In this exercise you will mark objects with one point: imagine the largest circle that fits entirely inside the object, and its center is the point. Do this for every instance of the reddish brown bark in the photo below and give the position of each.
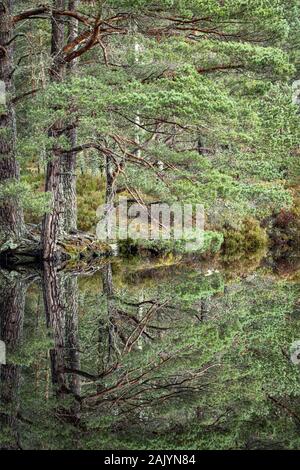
(52, 223)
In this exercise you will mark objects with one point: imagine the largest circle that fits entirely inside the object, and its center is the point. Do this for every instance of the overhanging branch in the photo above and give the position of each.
(46, 10)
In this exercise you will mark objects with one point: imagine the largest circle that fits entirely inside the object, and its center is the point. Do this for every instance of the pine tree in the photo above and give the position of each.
(11, 215)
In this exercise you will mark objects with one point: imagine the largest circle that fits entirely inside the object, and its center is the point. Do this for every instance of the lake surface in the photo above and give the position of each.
(140, 356)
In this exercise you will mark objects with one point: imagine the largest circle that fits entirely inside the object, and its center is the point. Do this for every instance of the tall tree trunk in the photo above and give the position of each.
(11, 214)
(12, 304)
(109, 198)
(52, 227)
(69, 161)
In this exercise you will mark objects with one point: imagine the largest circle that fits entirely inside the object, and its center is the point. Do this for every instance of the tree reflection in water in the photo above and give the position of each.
(13, 288)
(115, 358)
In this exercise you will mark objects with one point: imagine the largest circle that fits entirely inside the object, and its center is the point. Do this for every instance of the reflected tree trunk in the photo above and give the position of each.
(72, 338)
(200, 145)
(106, 324)
(13, 288)
(55, 318)
(204, 308)
(60, 292)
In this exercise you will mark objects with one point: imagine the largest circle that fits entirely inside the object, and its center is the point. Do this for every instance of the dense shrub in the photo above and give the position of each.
(250, 237)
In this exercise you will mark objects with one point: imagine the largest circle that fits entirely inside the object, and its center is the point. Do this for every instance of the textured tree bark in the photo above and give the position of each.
(69, 161)
(106, 325)
(52, 226)
(11, 214)
(61, 307)
(109, 197)
(68, 181)
(72, 341)
(55, 318)
(12, 304)
(72, 333)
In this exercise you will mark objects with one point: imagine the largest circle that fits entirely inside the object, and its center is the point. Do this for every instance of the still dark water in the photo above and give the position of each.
(136, 356)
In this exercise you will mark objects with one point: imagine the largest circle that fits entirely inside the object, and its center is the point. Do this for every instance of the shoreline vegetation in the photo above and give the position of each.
(168, 102)
(276, 233)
